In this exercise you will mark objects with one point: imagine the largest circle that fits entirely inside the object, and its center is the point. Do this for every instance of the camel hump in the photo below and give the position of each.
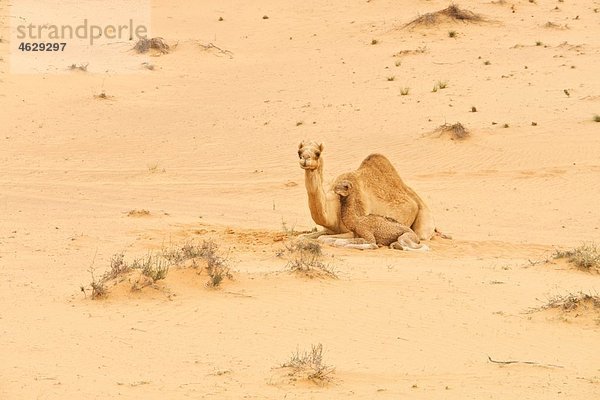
(378, 164)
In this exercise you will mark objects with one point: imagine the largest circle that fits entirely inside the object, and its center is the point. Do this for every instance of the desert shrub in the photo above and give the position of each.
(309, 365)
(571, 302)
(305, 258)
(586, 256)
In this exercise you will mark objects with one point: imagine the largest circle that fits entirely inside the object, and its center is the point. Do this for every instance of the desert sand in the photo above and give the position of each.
(206, 143)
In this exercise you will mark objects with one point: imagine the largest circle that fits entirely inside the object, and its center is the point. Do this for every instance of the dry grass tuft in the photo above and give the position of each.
(138, 213)
(157, 43)
(80, 67)
(451, 13)
(217, 266)
(309, 366)
(572, 302)
(456, 131)
(305, 258)
(586, 256)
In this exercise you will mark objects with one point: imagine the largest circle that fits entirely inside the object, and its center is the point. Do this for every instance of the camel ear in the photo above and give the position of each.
(300, 145)
(321, 147)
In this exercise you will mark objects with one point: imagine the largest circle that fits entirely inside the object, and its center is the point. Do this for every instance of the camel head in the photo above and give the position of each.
(344, 188)
(310, 154)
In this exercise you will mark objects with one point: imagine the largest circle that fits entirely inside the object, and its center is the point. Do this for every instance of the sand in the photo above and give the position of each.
(206, 143)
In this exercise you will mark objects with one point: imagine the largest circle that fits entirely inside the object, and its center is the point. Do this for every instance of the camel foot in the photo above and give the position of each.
(406, 247)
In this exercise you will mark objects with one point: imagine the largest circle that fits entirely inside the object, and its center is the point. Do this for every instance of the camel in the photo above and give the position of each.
(372, 230)
(382, 192)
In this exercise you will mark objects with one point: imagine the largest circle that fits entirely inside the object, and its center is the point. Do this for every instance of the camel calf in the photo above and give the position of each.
(373, 230)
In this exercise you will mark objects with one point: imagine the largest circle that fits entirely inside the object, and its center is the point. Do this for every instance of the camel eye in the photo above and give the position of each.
(299, 154)
(317, 154)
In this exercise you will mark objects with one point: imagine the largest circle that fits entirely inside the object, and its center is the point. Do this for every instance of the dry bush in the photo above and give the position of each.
(451, 13)
(572, 302)
(157, 43)
(586, 256)
(118, 267)
(309, 366)
(455, 131)
(98, 287)
(305, 258)
(216, 265)
(154, 267)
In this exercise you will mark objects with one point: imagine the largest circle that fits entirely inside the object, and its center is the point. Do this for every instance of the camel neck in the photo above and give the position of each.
(317, 198)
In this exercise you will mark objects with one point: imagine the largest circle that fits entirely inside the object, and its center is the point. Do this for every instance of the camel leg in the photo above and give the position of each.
(355, 243)
(364, 241)
(410, 242)
(424, 224)
(330, 239)
(313, 235)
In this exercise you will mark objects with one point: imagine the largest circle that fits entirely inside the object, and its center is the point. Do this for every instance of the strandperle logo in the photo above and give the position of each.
(50, 36)
(85, 30)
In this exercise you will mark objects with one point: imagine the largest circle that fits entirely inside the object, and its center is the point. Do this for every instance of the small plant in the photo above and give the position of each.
(473, 109)
(157, 43)
(289, 231)
(304, 258)
(452, 34)
(391, 78)
(217, 271)
(81, 67)
(586, 256)
(299, 123)
(439, 85)
(404, 91)
(153, 168)
(98, 287)
(309, 365)
(597, 118)
(538, 43)
(374, 41)
(398, 63)
(220, 19)
(487, 62)
(265, 17)
(102, 95)
(505, 126)
(118, 267)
